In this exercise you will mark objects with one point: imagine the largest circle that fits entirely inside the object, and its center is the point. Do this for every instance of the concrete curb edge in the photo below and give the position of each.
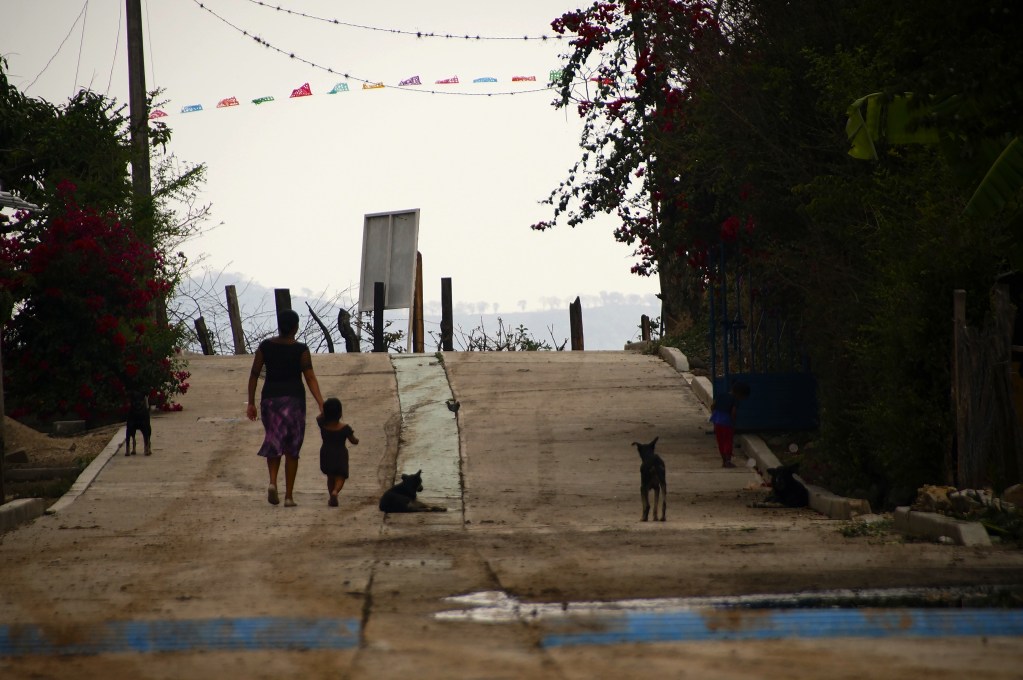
(88, 475)
(936, 526)
(19, 511)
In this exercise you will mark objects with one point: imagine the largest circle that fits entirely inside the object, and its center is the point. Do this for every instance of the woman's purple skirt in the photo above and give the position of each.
(284, 421)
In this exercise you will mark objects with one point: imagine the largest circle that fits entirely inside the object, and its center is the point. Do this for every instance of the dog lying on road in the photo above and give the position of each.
(652, 476)
(138, 421)
(402, 496)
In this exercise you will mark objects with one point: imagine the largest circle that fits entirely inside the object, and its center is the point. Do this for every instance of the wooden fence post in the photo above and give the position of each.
(575, 320)
(644, 325)
(378, 317)
(447, 323)
(955, 460)
(204, 336)
(344, 324)
(282, 301)
(234, 313)
(3, 415)
(417, 309)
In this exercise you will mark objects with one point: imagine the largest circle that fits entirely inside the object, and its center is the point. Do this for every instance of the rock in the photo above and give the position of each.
(1014, 495)
(66, 428)
(931, 498)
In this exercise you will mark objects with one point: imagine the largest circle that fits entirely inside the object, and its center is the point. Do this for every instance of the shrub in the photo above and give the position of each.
(83, 333)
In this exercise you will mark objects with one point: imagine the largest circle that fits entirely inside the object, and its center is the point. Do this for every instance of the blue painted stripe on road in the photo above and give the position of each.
(752, 624)
(235, 634)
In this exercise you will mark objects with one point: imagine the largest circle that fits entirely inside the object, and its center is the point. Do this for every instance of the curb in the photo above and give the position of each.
(675, 358)
(24, 510)
(19, 511)
(88, 475)
(936, 526)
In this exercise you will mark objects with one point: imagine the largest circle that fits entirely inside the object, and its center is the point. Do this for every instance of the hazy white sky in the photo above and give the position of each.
(291, 180)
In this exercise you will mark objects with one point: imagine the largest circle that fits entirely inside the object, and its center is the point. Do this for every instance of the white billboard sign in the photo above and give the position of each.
(390, 242)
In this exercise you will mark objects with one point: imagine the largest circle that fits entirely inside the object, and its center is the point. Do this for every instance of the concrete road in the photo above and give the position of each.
(175, 565)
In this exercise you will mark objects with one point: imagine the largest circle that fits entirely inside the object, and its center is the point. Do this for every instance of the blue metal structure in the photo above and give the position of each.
(753, 342)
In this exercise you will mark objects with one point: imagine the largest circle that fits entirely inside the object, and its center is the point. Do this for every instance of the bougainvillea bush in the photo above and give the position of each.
(83, 335)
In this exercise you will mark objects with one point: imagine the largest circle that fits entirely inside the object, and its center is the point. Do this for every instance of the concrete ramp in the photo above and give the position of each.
(429, 429)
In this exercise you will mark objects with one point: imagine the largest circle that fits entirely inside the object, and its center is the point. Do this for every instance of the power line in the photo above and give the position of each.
(59, 48)
(417, 34)
(149, 41)
(81, 44)
(117, 44)
(296, 57)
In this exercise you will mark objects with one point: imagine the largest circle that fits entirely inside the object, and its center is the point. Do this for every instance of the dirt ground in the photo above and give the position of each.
(44, 451)
(548, 514)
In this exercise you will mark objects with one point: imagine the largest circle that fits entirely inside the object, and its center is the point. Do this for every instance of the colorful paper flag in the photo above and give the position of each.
(373, 86)
(262, 100)
(340, 87)
(486, 79)
(555, 76)
(519, 79)
(230, 101)
(157, 113)
(414, 80)
(191, 108)
(304, 91)
(453, 80)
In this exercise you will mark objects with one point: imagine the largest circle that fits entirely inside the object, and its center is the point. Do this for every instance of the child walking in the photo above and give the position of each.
(333, 451)
(723, 413)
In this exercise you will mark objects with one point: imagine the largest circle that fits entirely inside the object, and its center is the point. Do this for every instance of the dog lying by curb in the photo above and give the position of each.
(402, 496)
(786, 490)
(652, 475)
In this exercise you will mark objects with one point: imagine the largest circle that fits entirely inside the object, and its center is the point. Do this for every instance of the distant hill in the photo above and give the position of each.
(609, 320)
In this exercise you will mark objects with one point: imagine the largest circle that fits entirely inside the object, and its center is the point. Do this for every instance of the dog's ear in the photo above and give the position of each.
(654, 441)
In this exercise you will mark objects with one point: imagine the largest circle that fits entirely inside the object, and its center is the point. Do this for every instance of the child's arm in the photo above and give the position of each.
(353, 439)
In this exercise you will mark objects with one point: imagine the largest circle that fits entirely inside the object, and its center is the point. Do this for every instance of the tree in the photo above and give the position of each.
(862, 258)
(71, 273)
(633, 102)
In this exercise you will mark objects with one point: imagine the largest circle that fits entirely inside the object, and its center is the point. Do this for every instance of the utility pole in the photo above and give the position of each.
(139, 121)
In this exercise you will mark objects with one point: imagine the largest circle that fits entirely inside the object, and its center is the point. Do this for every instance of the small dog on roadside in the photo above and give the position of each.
(138, 421)
(652, 475)
(786, 490)
(402, 496)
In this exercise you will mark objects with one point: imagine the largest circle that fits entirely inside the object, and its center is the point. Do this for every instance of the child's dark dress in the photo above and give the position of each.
(334, 451)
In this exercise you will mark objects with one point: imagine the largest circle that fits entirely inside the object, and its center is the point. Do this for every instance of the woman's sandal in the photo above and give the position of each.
(271, 495)
(289, 503)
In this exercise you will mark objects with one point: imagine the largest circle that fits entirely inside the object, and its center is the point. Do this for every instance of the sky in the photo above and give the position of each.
(291, 180)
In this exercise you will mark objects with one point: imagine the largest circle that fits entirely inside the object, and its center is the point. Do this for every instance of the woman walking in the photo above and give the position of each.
(282, 402)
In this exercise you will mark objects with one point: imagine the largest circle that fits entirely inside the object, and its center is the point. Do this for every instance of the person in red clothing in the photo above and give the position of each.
(723, 413)
(282, 402)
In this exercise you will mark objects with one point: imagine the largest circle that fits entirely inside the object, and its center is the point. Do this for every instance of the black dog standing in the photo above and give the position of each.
(652, 475)
(138, 421)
